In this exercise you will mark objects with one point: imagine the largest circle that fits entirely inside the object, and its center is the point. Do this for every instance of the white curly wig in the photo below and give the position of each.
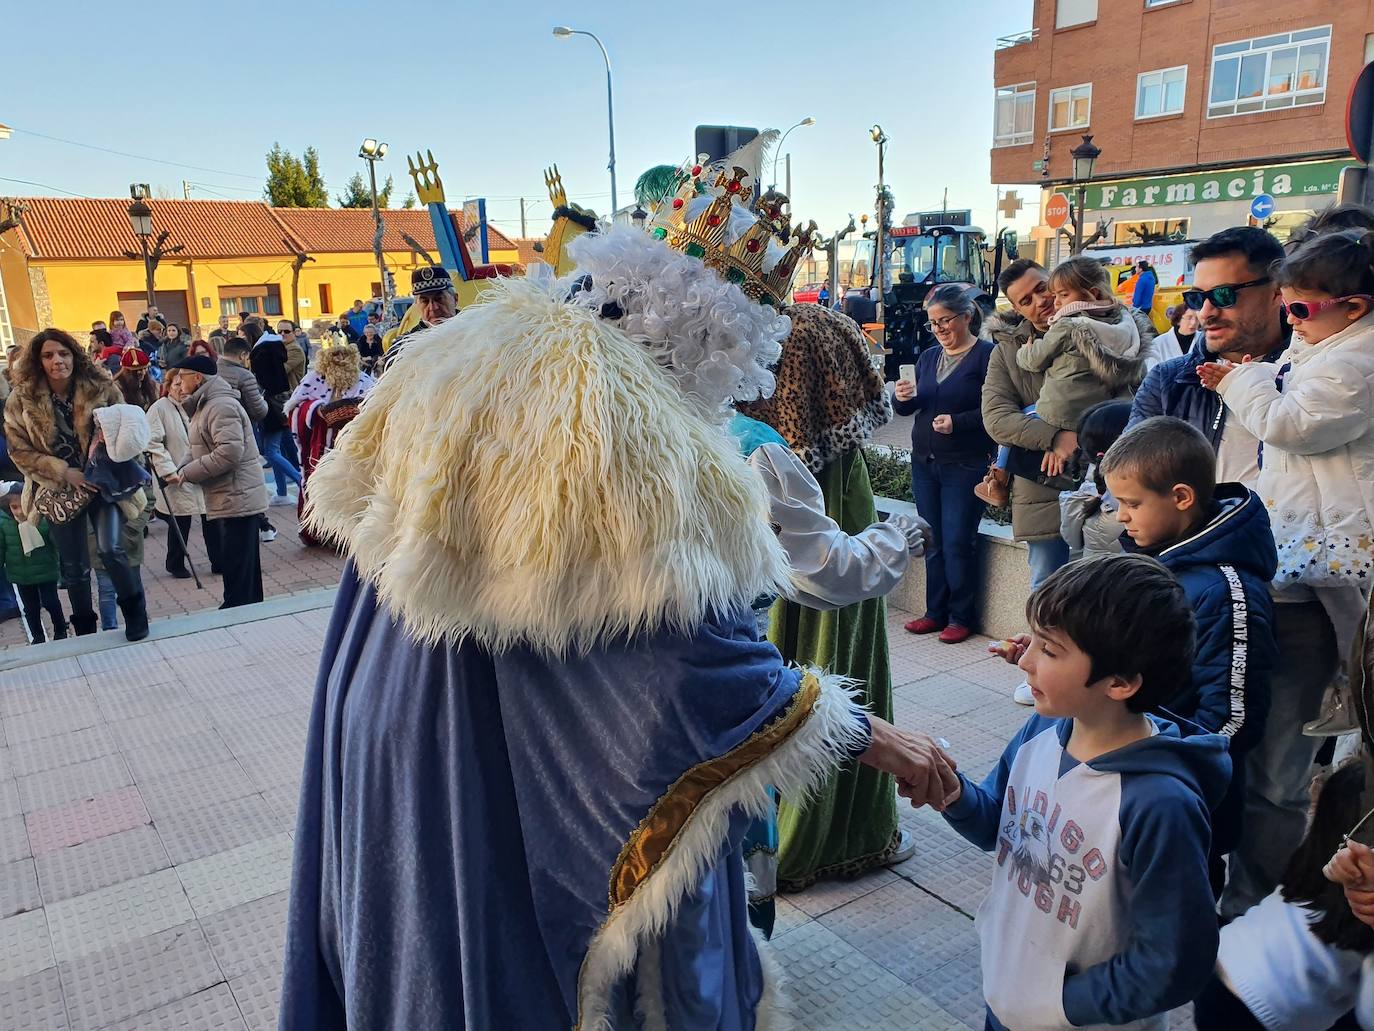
(715, 341)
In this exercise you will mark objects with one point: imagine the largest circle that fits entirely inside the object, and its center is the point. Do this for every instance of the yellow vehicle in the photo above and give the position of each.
(1124, 275)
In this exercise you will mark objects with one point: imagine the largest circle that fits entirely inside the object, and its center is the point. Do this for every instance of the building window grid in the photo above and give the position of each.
(1161, 92)
(1269, 73)
(1014, 115)
(1071, 107)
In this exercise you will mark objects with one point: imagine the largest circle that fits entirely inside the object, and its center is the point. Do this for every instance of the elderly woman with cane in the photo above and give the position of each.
(169, 449)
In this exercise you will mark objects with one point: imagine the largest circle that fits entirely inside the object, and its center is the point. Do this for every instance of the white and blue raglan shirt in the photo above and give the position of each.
(1100, 912)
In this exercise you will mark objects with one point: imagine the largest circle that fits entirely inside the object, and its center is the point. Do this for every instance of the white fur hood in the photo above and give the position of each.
(526, 473)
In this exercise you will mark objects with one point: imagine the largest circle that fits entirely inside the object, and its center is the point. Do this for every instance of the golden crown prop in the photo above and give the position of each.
(709, 216)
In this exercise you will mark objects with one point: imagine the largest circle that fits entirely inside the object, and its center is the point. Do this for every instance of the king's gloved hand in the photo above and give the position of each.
(915, 529)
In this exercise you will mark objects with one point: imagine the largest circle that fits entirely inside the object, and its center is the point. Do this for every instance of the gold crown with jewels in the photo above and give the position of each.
(716, 213)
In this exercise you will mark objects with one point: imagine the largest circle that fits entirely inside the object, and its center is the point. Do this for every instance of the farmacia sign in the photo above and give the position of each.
(1232, 184)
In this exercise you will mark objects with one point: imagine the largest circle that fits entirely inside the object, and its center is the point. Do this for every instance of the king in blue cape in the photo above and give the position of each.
(544, 717)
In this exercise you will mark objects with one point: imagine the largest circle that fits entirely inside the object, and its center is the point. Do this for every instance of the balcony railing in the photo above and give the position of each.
(1015, 40)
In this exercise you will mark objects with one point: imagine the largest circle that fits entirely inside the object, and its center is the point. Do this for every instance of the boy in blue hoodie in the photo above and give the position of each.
(1097, 813)
(1216, 539)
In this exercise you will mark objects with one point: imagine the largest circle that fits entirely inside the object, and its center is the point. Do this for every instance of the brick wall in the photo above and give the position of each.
(1127, 38)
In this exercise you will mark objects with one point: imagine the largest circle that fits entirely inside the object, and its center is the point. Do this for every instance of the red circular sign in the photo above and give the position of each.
(1056, 211)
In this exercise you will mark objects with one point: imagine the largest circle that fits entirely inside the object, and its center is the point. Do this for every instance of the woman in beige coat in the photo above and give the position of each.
(169, 447)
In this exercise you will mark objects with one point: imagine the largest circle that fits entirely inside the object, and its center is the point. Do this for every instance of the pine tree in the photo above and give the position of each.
(294, 182)
(357, 194)
(409, 202)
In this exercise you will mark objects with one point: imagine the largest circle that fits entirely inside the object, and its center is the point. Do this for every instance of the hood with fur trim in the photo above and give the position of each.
(1110, 342)
(126, 431)
(528, 473)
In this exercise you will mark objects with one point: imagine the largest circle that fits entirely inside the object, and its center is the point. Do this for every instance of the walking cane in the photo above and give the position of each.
(172, 522)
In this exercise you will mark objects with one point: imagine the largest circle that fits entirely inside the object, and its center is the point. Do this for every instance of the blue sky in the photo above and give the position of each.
(501, 98)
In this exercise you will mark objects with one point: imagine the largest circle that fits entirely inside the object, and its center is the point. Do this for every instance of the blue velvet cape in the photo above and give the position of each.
(462, 814)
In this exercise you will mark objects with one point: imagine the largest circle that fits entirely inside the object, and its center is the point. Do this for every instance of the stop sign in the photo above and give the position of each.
(1056, 211)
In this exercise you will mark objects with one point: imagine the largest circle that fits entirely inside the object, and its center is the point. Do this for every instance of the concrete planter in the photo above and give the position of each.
(1004, 577)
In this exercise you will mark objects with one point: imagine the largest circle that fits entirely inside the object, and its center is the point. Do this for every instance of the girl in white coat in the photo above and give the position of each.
(1313, 412)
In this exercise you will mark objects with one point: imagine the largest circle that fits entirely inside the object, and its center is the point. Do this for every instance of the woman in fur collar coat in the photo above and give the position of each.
(50, 426)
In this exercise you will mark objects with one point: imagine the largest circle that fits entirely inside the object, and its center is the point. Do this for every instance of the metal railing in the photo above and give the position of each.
(1016, 39)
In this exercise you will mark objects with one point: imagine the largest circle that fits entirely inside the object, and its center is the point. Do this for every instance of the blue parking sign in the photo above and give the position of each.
(1262, 206)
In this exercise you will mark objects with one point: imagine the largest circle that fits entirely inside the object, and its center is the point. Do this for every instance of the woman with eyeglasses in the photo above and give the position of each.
(950, 452)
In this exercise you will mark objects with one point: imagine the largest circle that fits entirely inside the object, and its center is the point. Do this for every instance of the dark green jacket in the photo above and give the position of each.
(26, 570)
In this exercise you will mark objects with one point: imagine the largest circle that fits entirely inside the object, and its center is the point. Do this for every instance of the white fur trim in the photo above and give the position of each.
(525, 473)
(796, 768)
(715, 342)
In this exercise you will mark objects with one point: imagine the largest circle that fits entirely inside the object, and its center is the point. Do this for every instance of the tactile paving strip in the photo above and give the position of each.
(34, 1003)
(905, 930)
(18, 889)
(176, 755)
(41, 723)
(14, 839)
(828, 895)
(119, 913)
(195, 789)
(68, 783)
(38, 697)
(259, 997)
(248, 937)
(141, 700)
(160, 726)
(211, 1010)
(49, 753)
(117, 983)
(100, 863)
(24, 945)
(197, 833)
(249, 872)
(85, 820)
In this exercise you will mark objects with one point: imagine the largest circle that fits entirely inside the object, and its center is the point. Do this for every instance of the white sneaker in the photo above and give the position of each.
(1022, 695)
(281, 500)
(267, 536)
(906, 848)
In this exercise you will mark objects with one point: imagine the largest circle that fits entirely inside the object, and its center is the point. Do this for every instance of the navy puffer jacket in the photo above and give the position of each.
(1172, 388)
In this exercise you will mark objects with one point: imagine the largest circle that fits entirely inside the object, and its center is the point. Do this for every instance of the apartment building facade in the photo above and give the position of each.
(1198, 106)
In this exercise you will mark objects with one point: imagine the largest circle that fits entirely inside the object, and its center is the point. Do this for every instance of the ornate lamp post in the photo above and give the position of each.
(1084, 156)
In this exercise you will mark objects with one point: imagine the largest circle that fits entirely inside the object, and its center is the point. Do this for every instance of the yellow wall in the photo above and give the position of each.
(80, 292)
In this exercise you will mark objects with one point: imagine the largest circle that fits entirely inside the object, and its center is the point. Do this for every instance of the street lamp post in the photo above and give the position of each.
(880, 244)
(563, 32)
(1084, 156)
(141, 220)
(371, 151)
(808, 120)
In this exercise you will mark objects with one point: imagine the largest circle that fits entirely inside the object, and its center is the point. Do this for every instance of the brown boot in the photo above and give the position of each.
(995, 489)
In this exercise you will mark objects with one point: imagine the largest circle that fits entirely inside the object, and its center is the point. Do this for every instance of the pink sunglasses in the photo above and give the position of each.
(1302, 310)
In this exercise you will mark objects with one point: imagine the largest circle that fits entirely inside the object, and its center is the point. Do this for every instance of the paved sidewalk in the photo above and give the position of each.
(147, 801)
(288, 567)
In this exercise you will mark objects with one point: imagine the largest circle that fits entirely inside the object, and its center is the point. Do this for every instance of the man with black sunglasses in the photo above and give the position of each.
(1240, 311)
(1240, 315)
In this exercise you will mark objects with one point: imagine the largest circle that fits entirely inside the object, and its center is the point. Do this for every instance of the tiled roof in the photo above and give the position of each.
(349, 230)
(75, 227)
(78, 227)
(528, 254)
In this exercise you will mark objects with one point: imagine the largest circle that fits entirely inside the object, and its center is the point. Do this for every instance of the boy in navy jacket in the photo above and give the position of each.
(1217, 541)
(1097, 813)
